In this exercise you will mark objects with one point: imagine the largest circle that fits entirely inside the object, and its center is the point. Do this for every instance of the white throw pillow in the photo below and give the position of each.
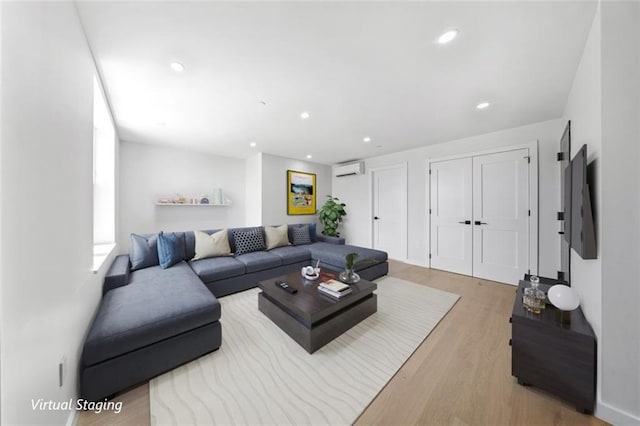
(277, 236)
(213, 245)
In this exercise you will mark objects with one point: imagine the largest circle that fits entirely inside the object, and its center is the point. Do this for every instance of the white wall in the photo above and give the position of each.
(49, 294)
(584, 109)
(356, 193)
(253, 193)
(274, 184)
(149, 172)
(604, 107)
(1, 198)
(620, 334)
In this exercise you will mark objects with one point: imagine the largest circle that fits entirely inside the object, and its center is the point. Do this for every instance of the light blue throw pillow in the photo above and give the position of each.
(144, 251)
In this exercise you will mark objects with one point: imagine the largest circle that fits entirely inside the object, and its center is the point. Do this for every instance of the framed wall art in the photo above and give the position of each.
(301, 193)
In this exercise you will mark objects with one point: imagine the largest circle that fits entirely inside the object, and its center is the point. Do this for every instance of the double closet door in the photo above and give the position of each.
(479, 215)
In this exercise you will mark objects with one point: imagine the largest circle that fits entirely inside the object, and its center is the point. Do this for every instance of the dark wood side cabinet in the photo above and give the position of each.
(558, 358)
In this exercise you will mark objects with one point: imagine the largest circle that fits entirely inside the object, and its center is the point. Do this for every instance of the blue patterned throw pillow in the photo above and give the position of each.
(248, 240)
(301, 235)
(170, 249)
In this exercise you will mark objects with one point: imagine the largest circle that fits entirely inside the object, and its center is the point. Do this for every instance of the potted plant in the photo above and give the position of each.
(349, 276)
(331, 215)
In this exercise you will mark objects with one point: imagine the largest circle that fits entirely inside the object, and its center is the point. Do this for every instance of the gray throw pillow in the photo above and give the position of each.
(248, 241)
(144, 251)
(301, 235)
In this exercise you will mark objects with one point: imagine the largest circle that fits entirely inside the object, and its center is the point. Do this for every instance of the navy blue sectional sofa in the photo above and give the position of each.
(152, 320)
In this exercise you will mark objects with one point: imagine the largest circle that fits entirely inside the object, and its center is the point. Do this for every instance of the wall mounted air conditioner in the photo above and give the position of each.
(349, 169)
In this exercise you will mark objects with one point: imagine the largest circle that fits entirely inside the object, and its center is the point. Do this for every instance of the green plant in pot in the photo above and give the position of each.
(351, 261)
(331, 215)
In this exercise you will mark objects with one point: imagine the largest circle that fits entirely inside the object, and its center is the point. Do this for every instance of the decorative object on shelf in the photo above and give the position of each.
(533, 299)
(301, 193)
(216, 198)
(331, 215)
(565, 299)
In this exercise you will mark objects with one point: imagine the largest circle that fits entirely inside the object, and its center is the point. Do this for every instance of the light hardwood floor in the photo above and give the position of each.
(460, 375)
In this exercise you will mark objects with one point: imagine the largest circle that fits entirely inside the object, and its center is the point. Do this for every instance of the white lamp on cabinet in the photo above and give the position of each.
(565, 299)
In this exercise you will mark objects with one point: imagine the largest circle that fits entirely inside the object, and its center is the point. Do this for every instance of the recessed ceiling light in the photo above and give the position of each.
(252, 144)
(448, 36)
(304, 115)
(367, 139)
(483, 105)
(176, 66)
(309, 156)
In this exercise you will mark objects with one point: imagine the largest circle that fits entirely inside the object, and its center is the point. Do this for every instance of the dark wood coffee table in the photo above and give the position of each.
(311, 318)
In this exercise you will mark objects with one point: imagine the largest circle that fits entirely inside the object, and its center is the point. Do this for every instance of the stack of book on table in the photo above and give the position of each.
(334, 288)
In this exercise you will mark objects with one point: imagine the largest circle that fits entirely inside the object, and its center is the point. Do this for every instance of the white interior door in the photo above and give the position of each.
(501, 216)
(451, 216)
(390, 211)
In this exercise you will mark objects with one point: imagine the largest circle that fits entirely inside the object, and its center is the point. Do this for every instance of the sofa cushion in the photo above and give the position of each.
(334, 255)
(301, 235)
(170, 249)
(276, 236)
(259, 261)
(214, 245)
(157, 304)
(248, 240)
(292, 254)
(217, 268)
(144, 251)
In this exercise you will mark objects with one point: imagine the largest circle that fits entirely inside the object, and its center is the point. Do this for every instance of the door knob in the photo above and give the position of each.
(477, 222)
(466, 222)
(376, 217)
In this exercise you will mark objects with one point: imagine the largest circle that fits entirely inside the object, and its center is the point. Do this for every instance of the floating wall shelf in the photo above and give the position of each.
(193, 205)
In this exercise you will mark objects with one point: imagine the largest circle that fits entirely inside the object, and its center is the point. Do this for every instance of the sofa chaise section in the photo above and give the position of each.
(158, 321)
(332, 255)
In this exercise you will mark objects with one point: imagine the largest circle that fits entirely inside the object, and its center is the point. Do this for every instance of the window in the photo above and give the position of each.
(104, 140)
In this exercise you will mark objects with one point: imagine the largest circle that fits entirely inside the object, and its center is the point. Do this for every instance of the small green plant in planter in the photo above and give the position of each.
(350, 262)
(331, 215)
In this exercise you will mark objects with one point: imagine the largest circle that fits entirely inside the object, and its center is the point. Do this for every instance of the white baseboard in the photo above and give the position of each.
(415, 262)
(72, 420)
(615, 416)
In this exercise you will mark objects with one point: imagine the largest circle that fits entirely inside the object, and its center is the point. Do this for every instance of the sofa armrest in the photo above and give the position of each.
(118, 274)
(330, 240)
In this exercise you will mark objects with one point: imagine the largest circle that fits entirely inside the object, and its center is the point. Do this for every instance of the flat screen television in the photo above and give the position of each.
(583, 237)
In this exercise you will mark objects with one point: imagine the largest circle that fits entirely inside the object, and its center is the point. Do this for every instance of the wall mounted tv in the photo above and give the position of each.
(583, 236)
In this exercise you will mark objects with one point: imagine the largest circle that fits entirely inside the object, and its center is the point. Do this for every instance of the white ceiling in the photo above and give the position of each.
(359, 68)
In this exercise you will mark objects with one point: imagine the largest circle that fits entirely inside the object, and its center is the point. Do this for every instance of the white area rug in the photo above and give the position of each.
(261, 376)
